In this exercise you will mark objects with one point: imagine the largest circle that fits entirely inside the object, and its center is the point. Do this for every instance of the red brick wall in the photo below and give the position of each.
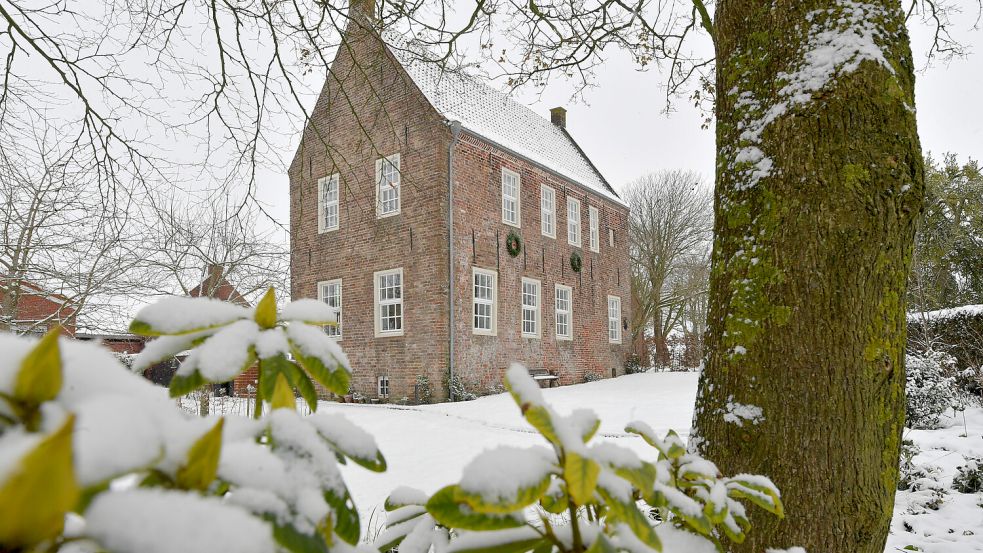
(378, 112)
(480, 242)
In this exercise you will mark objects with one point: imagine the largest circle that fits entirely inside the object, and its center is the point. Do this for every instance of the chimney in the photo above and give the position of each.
(363, 9)
(559, 117)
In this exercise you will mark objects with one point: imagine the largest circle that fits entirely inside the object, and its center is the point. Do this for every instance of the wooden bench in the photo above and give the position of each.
(542, 376)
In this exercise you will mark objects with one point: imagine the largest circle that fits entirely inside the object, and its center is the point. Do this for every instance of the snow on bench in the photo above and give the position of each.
(543, 375)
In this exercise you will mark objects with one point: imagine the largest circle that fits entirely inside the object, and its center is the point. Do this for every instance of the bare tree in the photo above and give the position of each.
(670, 223)
(194, 245)
(59, 232)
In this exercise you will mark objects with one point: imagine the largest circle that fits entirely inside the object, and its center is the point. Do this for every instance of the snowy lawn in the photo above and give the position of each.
(937, 518)
(427, 447)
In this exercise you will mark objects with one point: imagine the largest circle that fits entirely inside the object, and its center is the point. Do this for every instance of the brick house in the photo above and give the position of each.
(34, 309)
(428, 290)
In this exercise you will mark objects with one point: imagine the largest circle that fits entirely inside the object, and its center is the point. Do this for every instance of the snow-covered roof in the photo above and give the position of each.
(493, 115)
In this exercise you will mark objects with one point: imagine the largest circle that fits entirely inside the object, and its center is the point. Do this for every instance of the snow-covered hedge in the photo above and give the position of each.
(929, 390)
(95, 458)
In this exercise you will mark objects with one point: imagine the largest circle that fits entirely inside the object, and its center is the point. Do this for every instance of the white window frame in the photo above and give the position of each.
(548, 212)
(324, 205)
(537, 315)
(516, 197)
(594, 228)
(332, 331)
(610, 237)
(379, 303)
(382, 386)
(395, 162)
(614, 320)
(573, 222)
(493, 302)
(568, 312)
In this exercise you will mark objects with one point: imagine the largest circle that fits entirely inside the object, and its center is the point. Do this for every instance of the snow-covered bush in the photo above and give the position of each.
(909, 472)
(969, 477)
(591, 376)
(928, 387)
(461, 391)
(575, 496)
(85, 440)
(424, 394)
(633, 364)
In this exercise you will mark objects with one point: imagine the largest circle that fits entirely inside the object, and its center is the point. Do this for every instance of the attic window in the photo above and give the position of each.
(511, 202)
(387, 177)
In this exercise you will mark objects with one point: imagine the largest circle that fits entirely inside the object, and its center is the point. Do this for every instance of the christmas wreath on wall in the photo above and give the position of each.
(513, 244)
(576, 262)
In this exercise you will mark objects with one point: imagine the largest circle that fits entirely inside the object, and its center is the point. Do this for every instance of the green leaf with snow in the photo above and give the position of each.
(758, 490)
(404, 496)
(331, 375)
(735, 527)
(202, 464)
(183, 384)
(265, 315)
(295, 541)
(349, 441)
(580, 474)
(36, 494)
(541, 419)
(447, 509)
(299, 379)
(628, 514)
(181, 315)
(642, 477)
(39, 376)
(555, 499)
(283, 394)
(346, 522)
(514, 540)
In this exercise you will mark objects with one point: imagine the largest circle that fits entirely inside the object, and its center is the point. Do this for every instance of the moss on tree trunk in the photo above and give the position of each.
(819, 183)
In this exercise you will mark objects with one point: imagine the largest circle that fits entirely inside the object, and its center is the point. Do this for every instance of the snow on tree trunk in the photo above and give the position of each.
(819, 182)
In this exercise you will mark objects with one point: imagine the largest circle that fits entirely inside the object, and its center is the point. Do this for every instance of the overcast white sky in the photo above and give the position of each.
(622, 125)
(626, 133)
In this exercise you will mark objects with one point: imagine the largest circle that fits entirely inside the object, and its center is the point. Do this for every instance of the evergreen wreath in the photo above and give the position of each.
(576, 262)
(513, 244)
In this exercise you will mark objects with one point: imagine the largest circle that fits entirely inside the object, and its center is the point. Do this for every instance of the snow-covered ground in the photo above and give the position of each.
(937, 518)
(427, 447)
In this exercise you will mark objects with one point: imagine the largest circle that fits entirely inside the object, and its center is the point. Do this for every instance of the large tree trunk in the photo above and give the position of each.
(819, 183)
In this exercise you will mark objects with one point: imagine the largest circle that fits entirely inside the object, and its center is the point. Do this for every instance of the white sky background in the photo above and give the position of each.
(622, 125)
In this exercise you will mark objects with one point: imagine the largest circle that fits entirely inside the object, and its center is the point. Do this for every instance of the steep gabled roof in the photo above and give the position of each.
(491, 114)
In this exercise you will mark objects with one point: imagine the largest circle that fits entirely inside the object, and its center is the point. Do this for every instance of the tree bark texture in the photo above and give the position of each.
(818, 185)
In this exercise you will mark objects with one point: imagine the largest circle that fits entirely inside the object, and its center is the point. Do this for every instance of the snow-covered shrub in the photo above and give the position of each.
(908, 471)
(82, 435)
(928, 387)
(591, 376)
(633, 364)
(423, 393)
(969, 477)
(574, 496)
(461, 391)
